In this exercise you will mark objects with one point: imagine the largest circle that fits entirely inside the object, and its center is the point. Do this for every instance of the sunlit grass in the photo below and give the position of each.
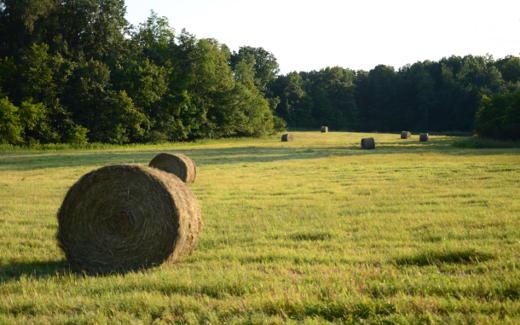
(313, 230)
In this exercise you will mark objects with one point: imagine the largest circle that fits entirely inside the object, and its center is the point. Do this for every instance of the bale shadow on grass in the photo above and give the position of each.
(469, 256)
(40, 270)
(15, 271)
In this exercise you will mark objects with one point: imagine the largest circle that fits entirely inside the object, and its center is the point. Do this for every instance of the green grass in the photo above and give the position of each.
(312, 231)
(485, 143)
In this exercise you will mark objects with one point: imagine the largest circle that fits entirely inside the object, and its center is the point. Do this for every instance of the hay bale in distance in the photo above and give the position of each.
(122, 218)
(178, 164)
(324, 129)
(287, 137)
(368, 143)
(406, 134)
(424, 137)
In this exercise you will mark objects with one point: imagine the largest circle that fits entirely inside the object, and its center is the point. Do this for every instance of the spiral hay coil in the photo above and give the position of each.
(178, 164)
(121, 218)
(368, 143)
(287, 137)
(424, 137)
(406, 134)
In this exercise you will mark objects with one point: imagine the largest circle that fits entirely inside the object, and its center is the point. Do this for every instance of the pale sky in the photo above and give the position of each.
(308, 35)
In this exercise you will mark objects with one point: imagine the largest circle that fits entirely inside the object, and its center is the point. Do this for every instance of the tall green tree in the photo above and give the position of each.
(289, 91)
(20, 23)
(499, 116)
(108, 114)
(265, 65)
(10, 127)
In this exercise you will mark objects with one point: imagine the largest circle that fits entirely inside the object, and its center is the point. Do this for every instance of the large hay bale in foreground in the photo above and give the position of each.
(287, 137)
(122, 218)
(178, 164)
(368, 143)
(324, 129)
(424, 137)
(406, 134)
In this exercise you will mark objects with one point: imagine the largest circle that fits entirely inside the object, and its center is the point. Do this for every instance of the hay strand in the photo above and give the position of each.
(368, 143)
(178, 164)
(122, 218)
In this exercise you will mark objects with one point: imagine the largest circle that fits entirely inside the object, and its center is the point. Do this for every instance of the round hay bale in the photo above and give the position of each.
(424, 137)
(287, 137)
(324, 129)
(122, 218)
(178, 164)
(368, 143)
(406, 134)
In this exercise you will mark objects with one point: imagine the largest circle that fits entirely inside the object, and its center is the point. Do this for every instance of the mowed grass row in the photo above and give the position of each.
(314, 230)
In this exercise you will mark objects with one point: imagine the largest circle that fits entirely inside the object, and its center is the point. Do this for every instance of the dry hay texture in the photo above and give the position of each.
(368, 143)
(287, 137)
(324, 129)
(406, 134)
(424, 137)
(178, 164)
(123, 218)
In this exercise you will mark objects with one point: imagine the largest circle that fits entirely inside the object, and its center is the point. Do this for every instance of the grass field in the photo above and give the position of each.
(311, 231)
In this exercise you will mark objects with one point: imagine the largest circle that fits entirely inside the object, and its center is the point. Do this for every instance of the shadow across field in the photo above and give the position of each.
(15, 271)
(469, 256)
(47, 269)
(216, 156)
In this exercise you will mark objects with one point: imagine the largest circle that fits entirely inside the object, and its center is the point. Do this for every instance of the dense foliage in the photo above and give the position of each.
(435, 96)
(499, 116)
(76, 71)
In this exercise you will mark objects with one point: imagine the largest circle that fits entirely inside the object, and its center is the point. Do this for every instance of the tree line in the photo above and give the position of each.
(424, 96)
(77, 72)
